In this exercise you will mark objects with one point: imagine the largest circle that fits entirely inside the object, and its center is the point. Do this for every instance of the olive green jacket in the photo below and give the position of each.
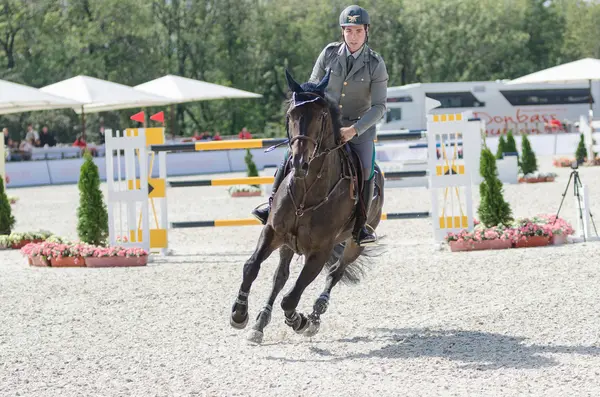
(361, 93)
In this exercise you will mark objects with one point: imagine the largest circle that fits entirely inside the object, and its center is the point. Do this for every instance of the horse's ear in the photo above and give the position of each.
(292, 85)
(324, 82)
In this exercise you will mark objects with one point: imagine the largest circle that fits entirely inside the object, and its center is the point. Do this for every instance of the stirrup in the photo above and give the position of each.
(370, 242)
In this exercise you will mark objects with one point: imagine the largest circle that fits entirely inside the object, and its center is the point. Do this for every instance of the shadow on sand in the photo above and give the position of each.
(474, 349)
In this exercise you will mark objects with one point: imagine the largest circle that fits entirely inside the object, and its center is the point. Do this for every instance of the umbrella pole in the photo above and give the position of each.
(172, 121)
(82, 123)
(590, 119)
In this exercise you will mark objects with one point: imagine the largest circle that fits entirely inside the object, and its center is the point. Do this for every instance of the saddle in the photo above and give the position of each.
(354, 168)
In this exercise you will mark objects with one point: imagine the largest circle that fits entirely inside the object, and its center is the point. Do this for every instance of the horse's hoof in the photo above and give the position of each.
(303, 325)
(255, 337)
(238, 324)
(313, 329)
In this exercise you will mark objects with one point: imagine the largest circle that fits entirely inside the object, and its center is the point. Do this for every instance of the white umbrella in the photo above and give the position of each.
(182, 89)
(98, 95)
(17, 98)
(101, 95)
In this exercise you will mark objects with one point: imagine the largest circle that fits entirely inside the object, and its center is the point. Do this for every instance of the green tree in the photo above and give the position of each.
(493, 210)
(581, 152)
(92, 225)
(251, 166)
(7, 220)
(511, 144)
(528, 161)
(501, 147)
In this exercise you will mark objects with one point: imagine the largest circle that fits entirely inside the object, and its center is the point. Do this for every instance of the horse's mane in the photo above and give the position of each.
(310, 87)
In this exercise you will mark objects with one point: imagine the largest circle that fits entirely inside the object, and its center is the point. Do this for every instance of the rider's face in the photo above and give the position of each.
(355, 37)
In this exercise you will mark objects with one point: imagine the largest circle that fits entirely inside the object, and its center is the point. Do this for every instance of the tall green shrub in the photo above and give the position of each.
(511, 145)
(493, 210)
(7, 220)
(250, 165)
(528, 160)
(501, 147)
(92, 225)
(581, 152)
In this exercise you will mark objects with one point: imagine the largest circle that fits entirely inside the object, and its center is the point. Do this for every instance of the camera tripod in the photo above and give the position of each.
(576, 185)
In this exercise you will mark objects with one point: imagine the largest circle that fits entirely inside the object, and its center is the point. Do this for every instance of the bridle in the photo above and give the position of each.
(297, 102)
(301, 209)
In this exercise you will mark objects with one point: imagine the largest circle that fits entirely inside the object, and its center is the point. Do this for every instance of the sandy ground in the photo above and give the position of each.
(421, 323)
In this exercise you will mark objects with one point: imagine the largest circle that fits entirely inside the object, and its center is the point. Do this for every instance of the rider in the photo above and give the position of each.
(358, 83)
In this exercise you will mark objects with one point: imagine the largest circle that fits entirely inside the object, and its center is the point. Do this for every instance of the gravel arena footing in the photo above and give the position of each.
(422, 322)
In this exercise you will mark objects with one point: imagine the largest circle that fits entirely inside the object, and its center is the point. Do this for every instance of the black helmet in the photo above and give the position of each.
(353, 16)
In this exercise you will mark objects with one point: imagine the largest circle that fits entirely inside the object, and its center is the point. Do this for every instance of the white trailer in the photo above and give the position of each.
(526, 107)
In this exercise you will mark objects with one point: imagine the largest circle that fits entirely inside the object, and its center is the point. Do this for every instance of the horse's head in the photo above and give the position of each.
(312, 123)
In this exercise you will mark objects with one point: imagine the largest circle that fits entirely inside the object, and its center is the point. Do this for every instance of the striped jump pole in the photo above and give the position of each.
(256, 222)
(267, 180)
(260, 143)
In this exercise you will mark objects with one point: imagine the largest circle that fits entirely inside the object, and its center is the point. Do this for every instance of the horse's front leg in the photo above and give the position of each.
(312, 267)
(267, 243)
(350, 253)
(279, 279)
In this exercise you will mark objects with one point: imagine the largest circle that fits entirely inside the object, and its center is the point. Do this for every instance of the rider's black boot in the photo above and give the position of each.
(262, 212)
(362, 235)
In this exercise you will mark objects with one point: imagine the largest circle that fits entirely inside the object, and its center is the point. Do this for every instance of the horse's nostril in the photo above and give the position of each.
(305, 167)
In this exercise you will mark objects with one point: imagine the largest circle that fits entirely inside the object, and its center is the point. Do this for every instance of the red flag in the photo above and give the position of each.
(160, 117)
(138, 117)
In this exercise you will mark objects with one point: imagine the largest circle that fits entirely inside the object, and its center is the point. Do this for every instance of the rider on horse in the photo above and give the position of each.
(358, 83)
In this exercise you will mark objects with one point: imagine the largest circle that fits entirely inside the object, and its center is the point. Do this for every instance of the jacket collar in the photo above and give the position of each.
(342, 53)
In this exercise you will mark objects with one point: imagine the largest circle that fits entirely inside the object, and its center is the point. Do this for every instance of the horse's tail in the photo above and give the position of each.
(356, 263)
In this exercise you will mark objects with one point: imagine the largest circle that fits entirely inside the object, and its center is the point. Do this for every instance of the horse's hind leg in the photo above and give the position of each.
(265, 246)
(351, 252)
(279, 280)
(312, 267)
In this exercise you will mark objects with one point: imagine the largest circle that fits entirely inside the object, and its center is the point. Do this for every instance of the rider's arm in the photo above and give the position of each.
(318, 71)
(378, 99)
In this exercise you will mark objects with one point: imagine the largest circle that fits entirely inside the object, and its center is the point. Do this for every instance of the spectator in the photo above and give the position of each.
(217, 136)
(80, 142)
(32, 135)
(7, 140)
(47, 138)
(245, 134)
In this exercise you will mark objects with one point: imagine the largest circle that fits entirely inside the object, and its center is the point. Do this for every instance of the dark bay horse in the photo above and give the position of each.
(312, 214)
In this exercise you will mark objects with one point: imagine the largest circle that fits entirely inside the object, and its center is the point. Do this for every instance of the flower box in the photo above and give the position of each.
(558, 239)
(67, 261)
(38, 260)
(116, 261)
(532, 241)
(470, 245)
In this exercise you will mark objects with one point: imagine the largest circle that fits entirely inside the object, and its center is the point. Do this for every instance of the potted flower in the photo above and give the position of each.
(66, 255)
(37, 253)
(244, 191)
(482, 238)
(19, 240)
(117, 256)
(5, 242)
(559, 228)
(530, 234)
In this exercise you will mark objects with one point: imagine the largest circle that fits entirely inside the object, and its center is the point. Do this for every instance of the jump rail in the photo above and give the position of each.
(259, 143)
(267, 180)
(253, 221)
